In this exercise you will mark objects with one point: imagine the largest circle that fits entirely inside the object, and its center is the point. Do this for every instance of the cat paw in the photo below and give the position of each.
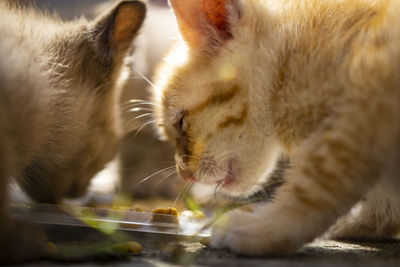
(249, 234)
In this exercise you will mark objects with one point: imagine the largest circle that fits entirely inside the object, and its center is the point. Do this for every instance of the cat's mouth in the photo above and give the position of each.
(229, 176)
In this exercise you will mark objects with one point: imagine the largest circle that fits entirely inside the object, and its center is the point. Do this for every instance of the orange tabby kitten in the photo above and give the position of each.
(318, 80)
(58, 112)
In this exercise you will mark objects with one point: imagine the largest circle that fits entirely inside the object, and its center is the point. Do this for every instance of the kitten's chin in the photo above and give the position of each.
(237, 182)
(233, 182)
(238, 188)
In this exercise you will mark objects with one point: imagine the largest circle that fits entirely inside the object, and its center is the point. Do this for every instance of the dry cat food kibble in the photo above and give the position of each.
(159, 215)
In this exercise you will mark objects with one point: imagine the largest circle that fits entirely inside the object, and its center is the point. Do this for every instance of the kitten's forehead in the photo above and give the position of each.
(198, 97)
(195, 87)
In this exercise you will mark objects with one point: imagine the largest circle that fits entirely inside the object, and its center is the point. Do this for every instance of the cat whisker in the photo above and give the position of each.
(181, 164)
(139, 101)
(140, 109)
(140, 116)
(198, 171)
(127, 107)
(134, 101)
(184, 189)
(163, 179)
(220, 173)
(215, 197)
(144, 125)
(144, 104)
(146, 79)
(154, 174)
(135, 108)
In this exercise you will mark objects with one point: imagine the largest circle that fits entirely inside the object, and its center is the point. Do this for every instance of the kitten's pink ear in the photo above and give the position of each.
(114, 32)
(204, 21)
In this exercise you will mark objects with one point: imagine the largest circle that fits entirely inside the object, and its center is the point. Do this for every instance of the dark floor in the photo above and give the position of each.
(162, 250)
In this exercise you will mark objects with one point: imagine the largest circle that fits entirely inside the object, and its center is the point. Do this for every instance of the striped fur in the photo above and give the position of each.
(318, 80)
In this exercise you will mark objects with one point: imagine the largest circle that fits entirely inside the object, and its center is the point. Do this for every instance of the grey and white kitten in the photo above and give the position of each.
(58, 107)
(141, 153)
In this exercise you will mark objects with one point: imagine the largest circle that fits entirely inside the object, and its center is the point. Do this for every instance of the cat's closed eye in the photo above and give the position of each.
(181, 126)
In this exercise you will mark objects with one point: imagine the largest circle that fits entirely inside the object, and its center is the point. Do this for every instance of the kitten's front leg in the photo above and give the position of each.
(274, 228)
(333, 168)
(269, 230)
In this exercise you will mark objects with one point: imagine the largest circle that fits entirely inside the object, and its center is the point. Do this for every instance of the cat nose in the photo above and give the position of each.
(184, 172)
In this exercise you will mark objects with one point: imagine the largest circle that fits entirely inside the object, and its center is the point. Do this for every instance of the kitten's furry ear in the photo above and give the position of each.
(114, 32)
(206, 22)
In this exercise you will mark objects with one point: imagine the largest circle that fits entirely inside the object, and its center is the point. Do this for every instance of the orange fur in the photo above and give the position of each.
(321, 80)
